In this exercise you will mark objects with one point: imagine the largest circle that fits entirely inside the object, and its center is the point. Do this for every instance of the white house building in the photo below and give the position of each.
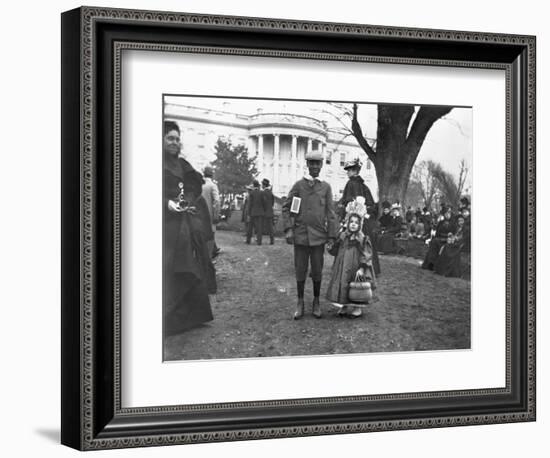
(279, 140)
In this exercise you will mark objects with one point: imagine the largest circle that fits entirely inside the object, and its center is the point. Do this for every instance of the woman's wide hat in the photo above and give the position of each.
(354, 163)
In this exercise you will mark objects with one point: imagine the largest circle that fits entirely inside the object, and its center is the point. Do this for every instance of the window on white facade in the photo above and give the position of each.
(328, 159)
(342, 159)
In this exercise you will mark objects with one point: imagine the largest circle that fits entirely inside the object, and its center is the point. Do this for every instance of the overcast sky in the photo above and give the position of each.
(448, 141)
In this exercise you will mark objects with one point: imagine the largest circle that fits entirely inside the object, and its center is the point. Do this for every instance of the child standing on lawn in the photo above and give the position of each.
(353, 251)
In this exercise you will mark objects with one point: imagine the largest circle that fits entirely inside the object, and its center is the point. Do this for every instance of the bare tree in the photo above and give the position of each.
(414, 197)
(342, 115)
(462, 176)
(450, 188)
(401, 131)
(422, 173)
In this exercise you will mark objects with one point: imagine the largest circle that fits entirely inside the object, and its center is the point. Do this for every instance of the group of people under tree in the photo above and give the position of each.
(450, 238)
(350, 230)
(447, 235)
(416, 224)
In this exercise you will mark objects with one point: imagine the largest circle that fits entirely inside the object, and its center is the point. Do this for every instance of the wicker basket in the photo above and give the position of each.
(360, 290)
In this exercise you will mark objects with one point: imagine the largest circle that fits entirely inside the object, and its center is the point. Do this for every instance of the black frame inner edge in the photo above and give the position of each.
(108, 423)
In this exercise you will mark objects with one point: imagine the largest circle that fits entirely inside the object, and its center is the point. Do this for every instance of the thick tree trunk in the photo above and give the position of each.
(392, 188)
(397, 146)
(392, 152)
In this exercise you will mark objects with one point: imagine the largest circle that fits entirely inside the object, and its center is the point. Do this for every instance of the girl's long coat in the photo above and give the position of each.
(351, 254)
(354, 188)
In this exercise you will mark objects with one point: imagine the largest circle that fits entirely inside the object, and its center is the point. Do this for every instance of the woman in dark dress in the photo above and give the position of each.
(188, 272)
(465, 213)
(356, 187)
(442, 231)
(426, 218)
(390, 226)
(448, 261)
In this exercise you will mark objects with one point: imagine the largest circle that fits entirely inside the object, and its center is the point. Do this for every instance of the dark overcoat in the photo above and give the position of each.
(186, 234)
(354, 187)
(256, 203)
(316, 221)
(449, 259)
(443, 228)
(269, 201)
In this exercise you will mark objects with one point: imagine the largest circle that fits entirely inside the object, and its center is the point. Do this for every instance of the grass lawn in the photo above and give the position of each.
(415, 310)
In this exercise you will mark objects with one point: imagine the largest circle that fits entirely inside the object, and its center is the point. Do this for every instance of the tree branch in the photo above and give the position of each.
(462, 176)
(337, 118)
(425, 119)
(358, 134)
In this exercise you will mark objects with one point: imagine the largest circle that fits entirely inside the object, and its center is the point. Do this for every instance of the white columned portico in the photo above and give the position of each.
(252, 149)
(261, 153)
(293, 158)
(276, 161)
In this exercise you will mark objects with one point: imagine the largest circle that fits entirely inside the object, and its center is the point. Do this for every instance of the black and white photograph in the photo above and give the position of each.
(312, 227)
(275, 229)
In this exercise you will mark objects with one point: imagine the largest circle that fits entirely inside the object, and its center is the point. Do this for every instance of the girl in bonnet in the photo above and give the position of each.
(353, 251)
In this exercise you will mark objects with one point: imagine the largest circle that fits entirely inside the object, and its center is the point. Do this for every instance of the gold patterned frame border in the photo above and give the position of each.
(89, 16)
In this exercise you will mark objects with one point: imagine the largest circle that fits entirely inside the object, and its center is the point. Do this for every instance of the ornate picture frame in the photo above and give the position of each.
(93, 40)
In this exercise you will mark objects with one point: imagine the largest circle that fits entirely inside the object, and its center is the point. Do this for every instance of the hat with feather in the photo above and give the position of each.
(356, 207)
(355, 163)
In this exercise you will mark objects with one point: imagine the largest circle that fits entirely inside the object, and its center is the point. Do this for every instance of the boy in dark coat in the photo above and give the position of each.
(310, 222)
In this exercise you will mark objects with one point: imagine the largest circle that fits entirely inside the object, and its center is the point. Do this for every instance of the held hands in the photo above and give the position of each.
(289, 236)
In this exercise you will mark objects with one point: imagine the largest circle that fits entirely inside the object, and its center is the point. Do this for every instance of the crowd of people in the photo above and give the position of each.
(349, 229)
(448, 239)
(447, 234)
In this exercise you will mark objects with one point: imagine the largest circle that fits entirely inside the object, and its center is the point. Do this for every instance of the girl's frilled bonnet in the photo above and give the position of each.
(357, 207)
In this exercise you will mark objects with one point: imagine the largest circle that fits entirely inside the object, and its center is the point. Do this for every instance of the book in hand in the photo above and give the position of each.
(295, 206)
